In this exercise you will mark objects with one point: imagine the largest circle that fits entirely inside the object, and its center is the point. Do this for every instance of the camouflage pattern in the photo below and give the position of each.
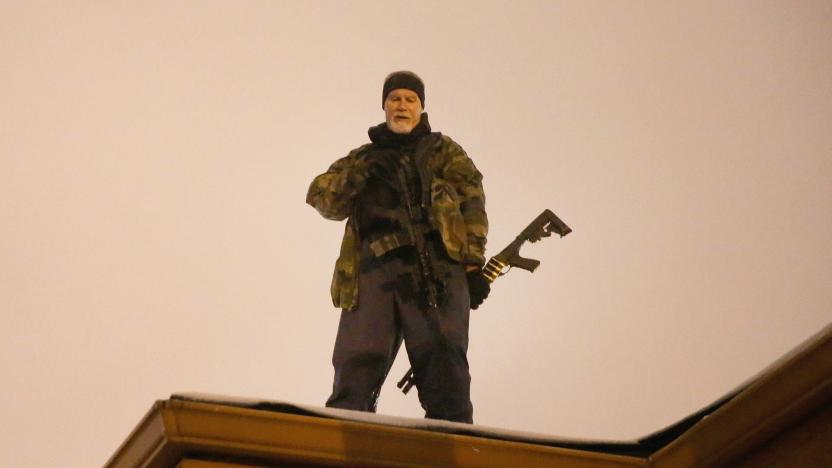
(457, 208)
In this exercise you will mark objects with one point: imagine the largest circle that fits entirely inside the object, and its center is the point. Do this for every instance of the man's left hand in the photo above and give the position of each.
(478, 287)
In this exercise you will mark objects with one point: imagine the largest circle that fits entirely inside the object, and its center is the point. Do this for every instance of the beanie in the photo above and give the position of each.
(403, 80)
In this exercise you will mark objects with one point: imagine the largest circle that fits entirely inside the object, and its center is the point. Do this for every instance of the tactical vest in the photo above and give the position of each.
(383, 205)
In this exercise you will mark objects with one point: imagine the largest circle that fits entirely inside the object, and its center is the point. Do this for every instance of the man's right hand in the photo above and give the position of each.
(362, 170)
(380, 167)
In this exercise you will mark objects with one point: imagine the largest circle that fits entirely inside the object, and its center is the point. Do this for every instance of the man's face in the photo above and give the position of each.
(403, 110)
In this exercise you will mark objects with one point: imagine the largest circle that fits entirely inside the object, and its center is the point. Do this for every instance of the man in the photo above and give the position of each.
(410, 259)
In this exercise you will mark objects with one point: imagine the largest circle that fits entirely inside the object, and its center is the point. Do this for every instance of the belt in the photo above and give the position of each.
(385, 243)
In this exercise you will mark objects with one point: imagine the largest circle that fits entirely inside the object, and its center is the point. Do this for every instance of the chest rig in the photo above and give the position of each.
(394, 206)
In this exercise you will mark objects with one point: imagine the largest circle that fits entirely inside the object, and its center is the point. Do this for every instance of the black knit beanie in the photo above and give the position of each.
(403, 80)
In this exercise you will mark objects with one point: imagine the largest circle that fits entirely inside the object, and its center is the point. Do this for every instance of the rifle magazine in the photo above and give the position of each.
(493, 269)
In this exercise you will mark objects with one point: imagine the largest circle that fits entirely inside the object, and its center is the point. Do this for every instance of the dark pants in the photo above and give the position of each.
(392, 307)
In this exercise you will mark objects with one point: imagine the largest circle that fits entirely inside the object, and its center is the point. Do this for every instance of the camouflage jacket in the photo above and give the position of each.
(457, 207)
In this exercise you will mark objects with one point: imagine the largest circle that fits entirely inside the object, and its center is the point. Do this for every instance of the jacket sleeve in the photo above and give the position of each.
(460, 172)
(334, 192)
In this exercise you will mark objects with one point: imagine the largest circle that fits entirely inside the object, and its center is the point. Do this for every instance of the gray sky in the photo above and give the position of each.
(154, 159)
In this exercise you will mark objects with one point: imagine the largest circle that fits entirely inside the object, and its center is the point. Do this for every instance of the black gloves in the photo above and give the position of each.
(381, 167)
(478, 287)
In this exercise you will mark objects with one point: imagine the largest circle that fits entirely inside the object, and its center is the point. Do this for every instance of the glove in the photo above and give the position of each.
(358, 175)
(478, 287)
(367, 168)
(381, 167)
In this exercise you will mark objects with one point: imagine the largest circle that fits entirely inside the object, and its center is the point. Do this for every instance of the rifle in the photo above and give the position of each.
(542, 226)
(424, 265)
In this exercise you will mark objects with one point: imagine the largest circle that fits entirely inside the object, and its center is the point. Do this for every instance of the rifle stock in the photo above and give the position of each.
(543, 226)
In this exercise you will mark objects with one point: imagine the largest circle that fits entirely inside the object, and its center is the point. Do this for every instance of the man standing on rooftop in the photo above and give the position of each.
(410, 259)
